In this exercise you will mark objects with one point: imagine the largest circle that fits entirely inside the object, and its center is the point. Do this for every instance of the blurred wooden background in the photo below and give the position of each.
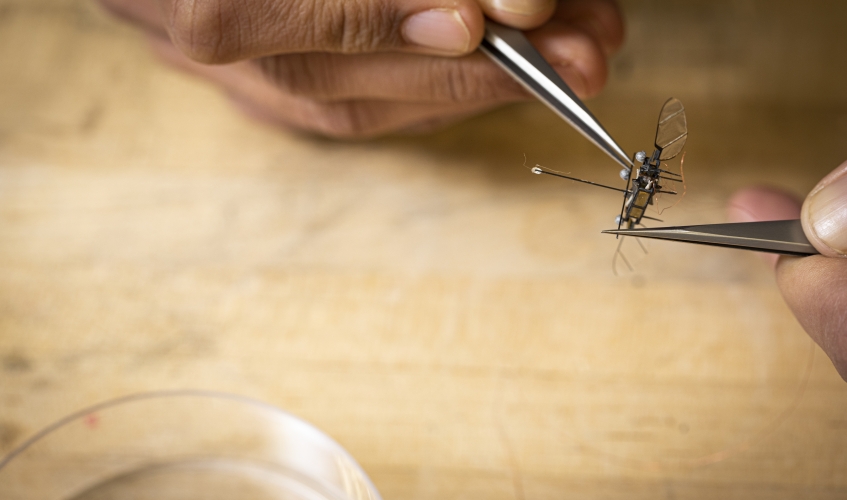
(449, 318)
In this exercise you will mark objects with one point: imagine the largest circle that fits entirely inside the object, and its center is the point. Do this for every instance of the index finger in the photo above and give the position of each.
(222, 31)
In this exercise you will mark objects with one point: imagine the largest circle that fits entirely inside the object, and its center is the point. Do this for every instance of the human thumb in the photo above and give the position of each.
(824, 214)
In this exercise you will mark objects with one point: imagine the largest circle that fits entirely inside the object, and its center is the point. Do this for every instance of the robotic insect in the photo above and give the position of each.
(645, 182)
(642, 188)
(646, 179)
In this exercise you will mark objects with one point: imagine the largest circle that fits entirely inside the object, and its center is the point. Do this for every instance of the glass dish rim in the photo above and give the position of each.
(174, 393)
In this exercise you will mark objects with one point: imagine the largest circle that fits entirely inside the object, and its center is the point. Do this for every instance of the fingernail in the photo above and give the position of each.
(521, 7)
(440, 29)
(827, 209)
(573, 77)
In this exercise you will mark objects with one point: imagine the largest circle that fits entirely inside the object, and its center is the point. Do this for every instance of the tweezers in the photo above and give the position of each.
(784, 237)
(511, 50)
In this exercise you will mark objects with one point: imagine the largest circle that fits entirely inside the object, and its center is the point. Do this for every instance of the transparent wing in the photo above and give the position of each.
(672, 130)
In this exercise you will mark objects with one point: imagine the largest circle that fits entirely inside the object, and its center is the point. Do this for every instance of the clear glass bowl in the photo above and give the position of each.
(182, 445)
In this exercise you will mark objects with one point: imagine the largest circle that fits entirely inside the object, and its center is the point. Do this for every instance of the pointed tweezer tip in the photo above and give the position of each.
(662, 233)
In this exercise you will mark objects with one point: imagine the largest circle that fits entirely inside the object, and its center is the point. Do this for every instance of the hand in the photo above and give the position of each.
(363, 68)
(815, 287)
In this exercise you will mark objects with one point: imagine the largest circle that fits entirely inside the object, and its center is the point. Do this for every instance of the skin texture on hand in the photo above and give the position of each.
(361, 69)
(815, 288)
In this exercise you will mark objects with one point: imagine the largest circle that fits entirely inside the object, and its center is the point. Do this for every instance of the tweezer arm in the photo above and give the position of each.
(511, 50)
(782, 237)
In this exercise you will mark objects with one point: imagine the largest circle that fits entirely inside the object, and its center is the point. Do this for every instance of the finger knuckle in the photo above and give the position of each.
(459, 82)
(596, 81)
(205, 30)
(601, 18)
(303, 75)
(464, 81)
(357, 26)
(587, 56)
(346, 120)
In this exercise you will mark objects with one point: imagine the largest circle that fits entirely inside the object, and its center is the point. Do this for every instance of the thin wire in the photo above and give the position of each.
(641, 244)
(623, 202)
(538, 169)
(620, 254)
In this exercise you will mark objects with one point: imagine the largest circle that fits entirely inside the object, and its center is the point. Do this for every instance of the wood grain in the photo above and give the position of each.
(449, 318)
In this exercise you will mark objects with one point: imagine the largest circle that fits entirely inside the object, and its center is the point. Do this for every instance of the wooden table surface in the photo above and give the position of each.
(450, 319)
